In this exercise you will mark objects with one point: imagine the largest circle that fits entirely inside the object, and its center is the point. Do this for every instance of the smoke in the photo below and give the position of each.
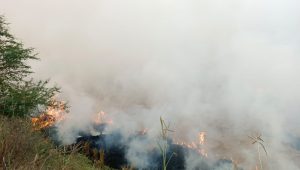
(229, 68)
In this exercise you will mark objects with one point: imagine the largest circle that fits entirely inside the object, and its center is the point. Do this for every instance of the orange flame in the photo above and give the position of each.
(197, 146)
(53, 114)
(202, 136)
(102, 118)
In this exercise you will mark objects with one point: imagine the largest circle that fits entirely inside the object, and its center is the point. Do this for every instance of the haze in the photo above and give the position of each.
(230, 68)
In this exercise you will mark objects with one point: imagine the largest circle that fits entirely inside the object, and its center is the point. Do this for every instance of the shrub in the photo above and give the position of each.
(20, 95)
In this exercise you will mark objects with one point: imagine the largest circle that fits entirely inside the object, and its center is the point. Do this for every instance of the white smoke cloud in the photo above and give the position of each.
(229, 68)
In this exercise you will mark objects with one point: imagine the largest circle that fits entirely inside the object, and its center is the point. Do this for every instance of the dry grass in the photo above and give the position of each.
(23, 148)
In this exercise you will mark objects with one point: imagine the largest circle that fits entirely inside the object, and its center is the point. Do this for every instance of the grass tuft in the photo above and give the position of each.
(21, 147)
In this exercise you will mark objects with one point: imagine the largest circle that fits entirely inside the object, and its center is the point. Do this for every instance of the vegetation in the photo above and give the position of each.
(20, 95)
(260, 143)
(22, 147)
(163, 144)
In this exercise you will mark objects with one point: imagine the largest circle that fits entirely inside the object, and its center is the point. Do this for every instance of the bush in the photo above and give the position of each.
(20, 95)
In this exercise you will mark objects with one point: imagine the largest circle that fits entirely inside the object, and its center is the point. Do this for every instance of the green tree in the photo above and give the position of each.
(20, 95)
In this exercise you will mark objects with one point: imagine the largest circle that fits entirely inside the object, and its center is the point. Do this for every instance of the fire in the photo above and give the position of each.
(202, 136)
(102, 118)
(57, 112)
(52, 115)
(196, 145)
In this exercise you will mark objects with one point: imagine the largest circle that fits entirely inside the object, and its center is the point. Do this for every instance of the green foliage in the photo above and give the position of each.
(19, 94)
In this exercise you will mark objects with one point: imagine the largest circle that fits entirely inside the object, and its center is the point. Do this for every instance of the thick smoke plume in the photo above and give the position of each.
(229, 68)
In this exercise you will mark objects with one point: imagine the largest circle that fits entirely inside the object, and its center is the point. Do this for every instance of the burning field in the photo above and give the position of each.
(204, 84)
(113, 148)
(106, 144)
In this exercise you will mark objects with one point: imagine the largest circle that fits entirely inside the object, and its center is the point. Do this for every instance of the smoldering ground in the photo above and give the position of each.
(229, 68)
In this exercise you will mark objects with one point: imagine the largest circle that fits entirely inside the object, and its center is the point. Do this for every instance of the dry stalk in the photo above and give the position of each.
(163, 145)
(260, 143)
